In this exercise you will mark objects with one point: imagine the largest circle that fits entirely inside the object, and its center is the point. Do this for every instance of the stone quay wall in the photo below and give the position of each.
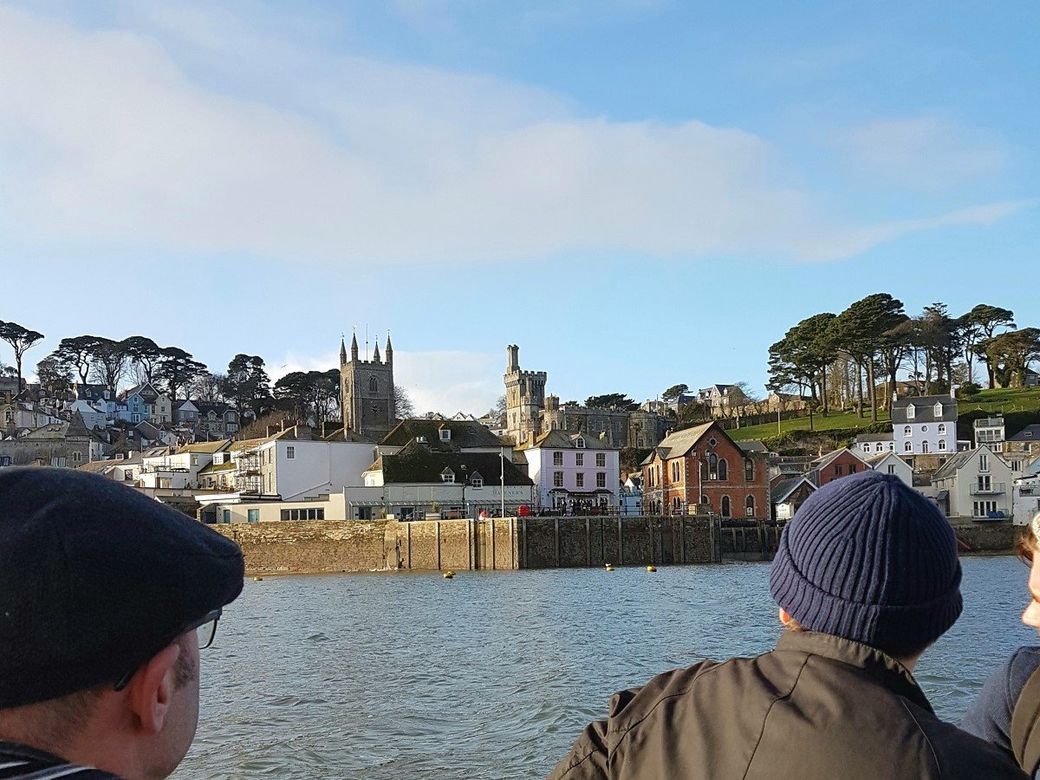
(311, 547)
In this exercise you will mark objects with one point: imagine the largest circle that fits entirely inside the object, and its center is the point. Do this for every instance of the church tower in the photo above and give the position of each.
(367, 391)
(525, 398)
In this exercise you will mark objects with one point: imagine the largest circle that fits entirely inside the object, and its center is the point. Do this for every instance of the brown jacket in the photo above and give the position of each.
(816, 707)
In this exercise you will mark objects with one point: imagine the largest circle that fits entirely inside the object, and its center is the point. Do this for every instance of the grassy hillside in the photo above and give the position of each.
(1019, 407)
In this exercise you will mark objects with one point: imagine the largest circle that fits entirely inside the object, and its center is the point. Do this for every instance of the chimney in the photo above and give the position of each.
(513, 358)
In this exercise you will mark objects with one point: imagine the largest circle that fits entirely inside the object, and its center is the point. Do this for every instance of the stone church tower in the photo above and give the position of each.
(367, 391)
(525, 398)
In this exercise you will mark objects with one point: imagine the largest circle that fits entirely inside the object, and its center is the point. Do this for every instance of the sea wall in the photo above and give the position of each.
(505, 543)
(986, 537)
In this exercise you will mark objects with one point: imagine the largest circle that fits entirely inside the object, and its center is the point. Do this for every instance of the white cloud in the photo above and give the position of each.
(113, 138)
(440, 381)
(927, 152)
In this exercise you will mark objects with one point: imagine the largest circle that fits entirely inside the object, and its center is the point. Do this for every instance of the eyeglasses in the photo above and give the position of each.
(205, 629)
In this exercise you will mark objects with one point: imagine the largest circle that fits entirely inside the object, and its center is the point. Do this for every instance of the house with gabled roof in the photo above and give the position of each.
(788, 495)
(573, 472)
(890, 463)
(925, 425)
(834, 465)
(1024, 442)
(443, 436)
(974, 483)
(703, 466)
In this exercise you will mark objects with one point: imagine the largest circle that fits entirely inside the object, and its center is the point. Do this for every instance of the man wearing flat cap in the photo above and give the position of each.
(106, 597)
(866, 578)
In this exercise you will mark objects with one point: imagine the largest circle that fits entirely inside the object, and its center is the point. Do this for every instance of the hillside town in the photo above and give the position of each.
(231, 463)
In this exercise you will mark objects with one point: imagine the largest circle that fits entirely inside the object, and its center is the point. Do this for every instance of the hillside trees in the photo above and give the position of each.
(247, 385)
(1008, 355)
(21, 339)
(979, 325)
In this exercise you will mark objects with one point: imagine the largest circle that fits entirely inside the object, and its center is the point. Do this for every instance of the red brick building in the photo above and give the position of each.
(835, 465)
(704, 465)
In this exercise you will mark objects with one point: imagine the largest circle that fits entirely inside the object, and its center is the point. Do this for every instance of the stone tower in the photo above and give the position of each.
(525, 398)
(367, 391)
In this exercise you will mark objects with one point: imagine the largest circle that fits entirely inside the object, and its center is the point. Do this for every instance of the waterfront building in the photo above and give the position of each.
(703, 465)
(874, 443)
(989, 431)
(631, 497)
(572, 472)
(834, 465)
(788, 495)
(890, 463)
(976, 483)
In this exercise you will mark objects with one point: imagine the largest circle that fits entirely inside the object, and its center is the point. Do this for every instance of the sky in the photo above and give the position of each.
(638, 193)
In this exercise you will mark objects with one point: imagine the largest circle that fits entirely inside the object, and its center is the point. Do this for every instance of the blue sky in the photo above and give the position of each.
(637, 192)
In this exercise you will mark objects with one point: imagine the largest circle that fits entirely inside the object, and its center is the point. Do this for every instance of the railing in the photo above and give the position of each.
(994, 488)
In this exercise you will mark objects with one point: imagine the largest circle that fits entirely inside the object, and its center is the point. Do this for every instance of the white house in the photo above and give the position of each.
(1025, 497)
(419, 482)
(331, 507)
(867, 444)
(295, 464)
(180, 469)
(890, 463)
(631, 496)
(925, 425)
(573, 471)
(989, 431)
(975, 483)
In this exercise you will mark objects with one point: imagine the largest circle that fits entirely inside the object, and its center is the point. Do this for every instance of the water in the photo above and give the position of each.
(493, 674)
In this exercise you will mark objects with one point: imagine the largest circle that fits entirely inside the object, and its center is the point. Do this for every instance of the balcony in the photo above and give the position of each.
(993, 489)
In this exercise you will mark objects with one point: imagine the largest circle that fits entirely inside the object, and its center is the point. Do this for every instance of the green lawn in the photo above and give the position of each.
(988, 401)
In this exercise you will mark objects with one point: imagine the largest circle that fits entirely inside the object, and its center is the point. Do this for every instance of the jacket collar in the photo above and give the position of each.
(885, 669)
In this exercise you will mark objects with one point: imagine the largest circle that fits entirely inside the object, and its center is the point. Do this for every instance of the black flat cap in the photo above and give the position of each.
(95, 578)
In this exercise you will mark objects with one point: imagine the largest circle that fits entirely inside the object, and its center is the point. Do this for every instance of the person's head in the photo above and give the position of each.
(1028, 545)
(869, 559)
(105, 598)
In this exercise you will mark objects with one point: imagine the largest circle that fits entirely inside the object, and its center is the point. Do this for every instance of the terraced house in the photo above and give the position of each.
(703, 465)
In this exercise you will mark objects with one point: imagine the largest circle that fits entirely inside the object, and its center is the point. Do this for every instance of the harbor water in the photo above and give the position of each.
(493, 674)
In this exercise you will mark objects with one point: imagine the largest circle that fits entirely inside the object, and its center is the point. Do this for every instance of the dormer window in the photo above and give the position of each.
(476, 480)
(938, 410)
(445, 434)
(910, 412)
(448, 476)
(580, 443)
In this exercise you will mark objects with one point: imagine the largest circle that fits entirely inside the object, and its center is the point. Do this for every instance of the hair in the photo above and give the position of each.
(901, 654)
(1026, 544)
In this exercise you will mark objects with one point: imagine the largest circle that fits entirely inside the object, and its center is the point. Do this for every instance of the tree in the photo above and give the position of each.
(53, 377)
(979, 325)
(618, 402)
(673, 392)
(175, 369)
(76, 355)
(311, 393)
(206, 386)
(404, 409)
(20, 339)
(145, 354)
(1009, 355)
(109, 359)
(247, 385)
(861, 331)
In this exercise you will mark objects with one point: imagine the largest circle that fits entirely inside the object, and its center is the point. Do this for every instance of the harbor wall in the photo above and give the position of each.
(299, 547)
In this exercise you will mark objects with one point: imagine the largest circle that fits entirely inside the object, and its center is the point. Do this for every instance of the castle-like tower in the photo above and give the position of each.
(367, 391)
(525, 398)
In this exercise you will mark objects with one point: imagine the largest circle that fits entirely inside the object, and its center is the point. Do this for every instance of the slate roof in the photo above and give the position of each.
(783, 490)
(864, 437)
(147, 392)
(679, 443)
(418, 464)
(753, 445)
(1029, 433)
(204, 446)
(825, 460)
(561, 440)
(342, 434)
(465, 434)
(924, 409)
(952, 465)
(875, 460)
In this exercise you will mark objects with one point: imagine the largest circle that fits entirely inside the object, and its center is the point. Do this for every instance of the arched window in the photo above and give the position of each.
(907, 430)
(749, 470)
(373, 385)
(924, 446)
(713, 466)
(749, 506)
(705, 501)
(942, 444)
(723, 469)
(704, 470)
(725, 506)
(908, 447)
(942, 427)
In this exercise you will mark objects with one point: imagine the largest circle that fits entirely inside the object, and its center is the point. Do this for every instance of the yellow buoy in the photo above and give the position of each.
(449, 574)
(651, 567)
(609, 567)
(258, 579)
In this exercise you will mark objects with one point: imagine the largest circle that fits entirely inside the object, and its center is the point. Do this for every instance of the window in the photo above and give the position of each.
(749, 506)
(290, 453)
(227, 515)
(579, 443)
(557, 458)
(983, 462)
(601, 459)
(676, 470)
(373, 385)
(749, 470)
(938, 410)
(942, 444)
(601, 479)
(705, 501)
(910, 412)
(878, 447)
(713, 466)
(723, 469)
(445, 434)
(984, 483)
(1016, 465)
(924, 429)
(303, 514)
(448, 476)
(579, 458)
(676, 504)
(477, 482)
(942, 427)
(579, 479)
(194, 460)
(725, 506)
(908, 447)
(253, 516)
(558, 479)
(78, 456)
(891, 469)
(908, 431)
(924, 446)
(838, 470)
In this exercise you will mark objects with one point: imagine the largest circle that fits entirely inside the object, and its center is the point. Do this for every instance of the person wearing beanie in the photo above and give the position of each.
(1007, 710)
(866, 577)
(106, 598)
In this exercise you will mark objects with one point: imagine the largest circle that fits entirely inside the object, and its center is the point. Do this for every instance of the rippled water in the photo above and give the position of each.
(493, 674)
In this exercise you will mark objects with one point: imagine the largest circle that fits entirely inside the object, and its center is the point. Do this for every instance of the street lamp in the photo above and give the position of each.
(502, 494)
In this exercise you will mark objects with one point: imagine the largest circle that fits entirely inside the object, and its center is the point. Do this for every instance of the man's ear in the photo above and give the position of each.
(784, 617)
(151, 689)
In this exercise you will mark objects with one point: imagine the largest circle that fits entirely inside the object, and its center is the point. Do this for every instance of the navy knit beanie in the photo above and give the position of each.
(868, 558)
